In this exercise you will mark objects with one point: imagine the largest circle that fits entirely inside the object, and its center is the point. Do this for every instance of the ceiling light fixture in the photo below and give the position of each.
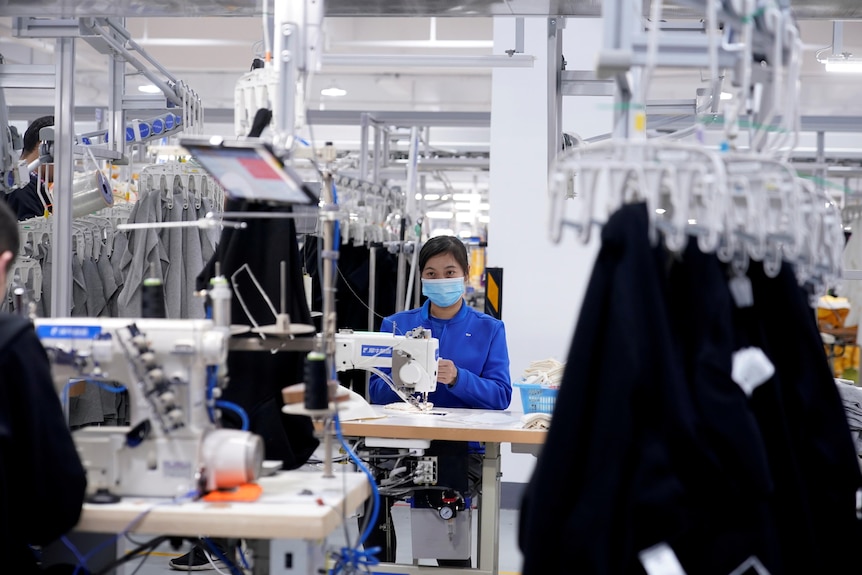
(333, 92)
(149, 89)
(843, 64)
(726, 96)
(840, 61)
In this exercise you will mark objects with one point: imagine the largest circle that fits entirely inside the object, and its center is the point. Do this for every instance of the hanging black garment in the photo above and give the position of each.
(818, 459)
(607, 469)
(257, 378)
(653, 442)
(635, 456)
(732, 497)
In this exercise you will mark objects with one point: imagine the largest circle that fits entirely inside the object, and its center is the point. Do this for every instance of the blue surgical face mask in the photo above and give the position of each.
(444, 292)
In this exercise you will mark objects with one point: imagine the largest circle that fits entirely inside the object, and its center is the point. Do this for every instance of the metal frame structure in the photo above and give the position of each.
(109, 37)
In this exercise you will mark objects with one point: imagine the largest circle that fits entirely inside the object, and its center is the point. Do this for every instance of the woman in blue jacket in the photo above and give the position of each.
(473, 370)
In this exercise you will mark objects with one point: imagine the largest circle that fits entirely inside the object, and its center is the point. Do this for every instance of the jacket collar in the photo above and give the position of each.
(425, 312)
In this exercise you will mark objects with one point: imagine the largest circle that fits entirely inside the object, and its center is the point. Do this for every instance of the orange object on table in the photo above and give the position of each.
(245, 492)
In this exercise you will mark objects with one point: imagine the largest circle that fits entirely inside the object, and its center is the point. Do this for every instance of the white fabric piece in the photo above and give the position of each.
(660, 560)
(751, 368)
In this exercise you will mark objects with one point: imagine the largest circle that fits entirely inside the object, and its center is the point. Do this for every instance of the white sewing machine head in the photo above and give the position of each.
(412, 357)
(171, 370)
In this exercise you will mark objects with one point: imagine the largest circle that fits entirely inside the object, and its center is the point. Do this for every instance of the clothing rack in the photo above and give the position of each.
(170, 192)
(742, 206)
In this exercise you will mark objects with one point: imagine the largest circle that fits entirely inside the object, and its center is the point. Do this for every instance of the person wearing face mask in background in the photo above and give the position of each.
(32, 199)
(473, 370)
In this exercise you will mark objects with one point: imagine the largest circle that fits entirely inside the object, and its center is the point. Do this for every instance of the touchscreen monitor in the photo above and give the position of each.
(248, 170)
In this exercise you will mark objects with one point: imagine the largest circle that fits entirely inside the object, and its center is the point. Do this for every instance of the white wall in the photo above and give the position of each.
(543, 283)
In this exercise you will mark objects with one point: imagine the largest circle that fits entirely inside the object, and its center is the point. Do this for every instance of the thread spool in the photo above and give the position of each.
(316, 384)
(91, 192)
(153, 299)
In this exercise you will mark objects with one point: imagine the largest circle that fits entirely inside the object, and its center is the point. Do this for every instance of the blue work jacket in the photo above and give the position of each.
(474, 341)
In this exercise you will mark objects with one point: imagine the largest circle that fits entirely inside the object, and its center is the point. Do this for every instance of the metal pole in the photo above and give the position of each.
(821, 160)
(378, 151)
(364, 119)
(329, 258)
(286, 59)
(116, 113)
(555, 90)
(372, 285)
(64, 133)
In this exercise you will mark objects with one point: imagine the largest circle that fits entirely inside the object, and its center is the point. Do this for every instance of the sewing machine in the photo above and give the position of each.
(173, 371)
(434, 477)
(411, 357)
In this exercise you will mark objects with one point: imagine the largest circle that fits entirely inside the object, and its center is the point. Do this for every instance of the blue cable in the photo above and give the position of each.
(236, 409)
(337, 239)
(212, 382)
(242, 558)
(355, 558)
(81, 560)
(217, 552)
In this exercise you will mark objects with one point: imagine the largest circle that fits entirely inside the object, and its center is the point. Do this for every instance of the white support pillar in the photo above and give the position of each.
(544, 282)
(64, 134)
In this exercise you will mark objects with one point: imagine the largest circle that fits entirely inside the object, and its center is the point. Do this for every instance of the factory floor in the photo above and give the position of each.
(510, 558)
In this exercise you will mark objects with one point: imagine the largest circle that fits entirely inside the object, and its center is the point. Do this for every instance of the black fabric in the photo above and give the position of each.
(652, 442)
(24, 201)
(257, 378)
(817, 436)
(42, 481)
(731, 497)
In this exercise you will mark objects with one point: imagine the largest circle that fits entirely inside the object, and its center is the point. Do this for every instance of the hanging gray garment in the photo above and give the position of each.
(172, 240)
(145, 253)
(47, 268)
(193, 307)
(109, 284)
(95, 289)
(110, 404)
(86, 409)
(121, 243)
(79, 288)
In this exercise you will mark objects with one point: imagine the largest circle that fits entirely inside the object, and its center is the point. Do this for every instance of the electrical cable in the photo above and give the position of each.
(141, 564)
(234, 570)
(352, 559)
(131, 525)
(229, 405)
(78, 556)
(152, 543)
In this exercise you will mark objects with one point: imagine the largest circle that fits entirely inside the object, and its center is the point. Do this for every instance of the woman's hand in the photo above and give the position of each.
(447, 372)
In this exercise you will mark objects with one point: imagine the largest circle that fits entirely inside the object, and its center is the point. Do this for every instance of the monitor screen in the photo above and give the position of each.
(248, 170)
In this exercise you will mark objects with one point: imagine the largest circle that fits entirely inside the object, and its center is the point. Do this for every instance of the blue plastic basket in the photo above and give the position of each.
(537, 398)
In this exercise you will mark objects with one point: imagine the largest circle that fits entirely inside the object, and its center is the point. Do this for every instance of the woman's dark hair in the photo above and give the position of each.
(444, 245)
(31, 136)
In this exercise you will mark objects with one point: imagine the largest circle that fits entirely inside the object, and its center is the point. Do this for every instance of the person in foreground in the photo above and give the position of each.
(473, 370)
(42, 481)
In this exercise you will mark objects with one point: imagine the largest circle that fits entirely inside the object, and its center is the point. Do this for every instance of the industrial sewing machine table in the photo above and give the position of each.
(302, 506)
(489, 427)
